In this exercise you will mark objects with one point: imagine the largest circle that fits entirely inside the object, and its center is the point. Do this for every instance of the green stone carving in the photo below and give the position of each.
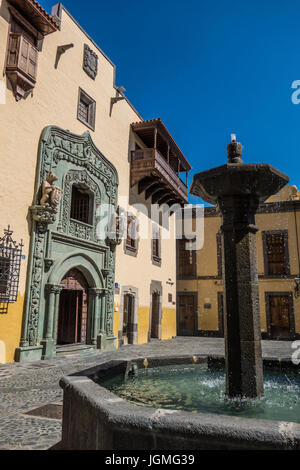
(59, 243)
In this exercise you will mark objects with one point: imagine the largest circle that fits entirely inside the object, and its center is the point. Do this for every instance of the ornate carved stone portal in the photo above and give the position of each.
(60, 244)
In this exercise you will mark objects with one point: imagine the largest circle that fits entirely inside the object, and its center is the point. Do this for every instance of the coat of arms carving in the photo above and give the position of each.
(90, 62)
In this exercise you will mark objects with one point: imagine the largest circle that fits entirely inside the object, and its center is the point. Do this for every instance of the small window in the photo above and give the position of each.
(86, 109)
(276, 253)
(170, 298)
(80, 206)
(131, 232)
(131, 241)
(156, 245)
(186, 258)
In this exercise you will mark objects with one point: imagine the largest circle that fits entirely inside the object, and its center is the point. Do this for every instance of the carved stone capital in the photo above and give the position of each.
(43, 214)
(98, 291)
(114, 241)
(48, 262)
(105, 272)
(54, 288)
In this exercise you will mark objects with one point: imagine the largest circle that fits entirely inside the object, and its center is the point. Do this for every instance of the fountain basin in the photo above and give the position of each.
(96, 419)
(257, 180)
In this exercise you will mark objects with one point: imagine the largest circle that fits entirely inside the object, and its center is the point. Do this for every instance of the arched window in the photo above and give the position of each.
(81, 205)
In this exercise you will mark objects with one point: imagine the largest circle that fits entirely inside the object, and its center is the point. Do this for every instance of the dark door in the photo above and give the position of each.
(73, 310)
(186, 315)
(155, 316)
(279, 307)
(128, 317)
(221, 312)
(69, 317)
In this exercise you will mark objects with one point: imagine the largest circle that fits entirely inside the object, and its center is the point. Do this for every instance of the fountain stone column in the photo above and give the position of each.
(237, 189)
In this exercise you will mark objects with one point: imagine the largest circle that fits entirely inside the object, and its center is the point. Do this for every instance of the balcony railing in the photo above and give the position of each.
(147, 162)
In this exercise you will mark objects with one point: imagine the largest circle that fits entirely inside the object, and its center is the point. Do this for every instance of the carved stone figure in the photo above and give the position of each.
(51, 193)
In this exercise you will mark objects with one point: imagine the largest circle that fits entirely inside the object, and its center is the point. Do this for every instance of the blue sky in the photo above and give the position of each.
(207, 68)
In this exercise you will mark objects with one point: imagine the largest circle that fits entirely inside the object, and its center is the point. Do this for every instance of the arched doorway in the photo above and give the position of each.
(73, 309)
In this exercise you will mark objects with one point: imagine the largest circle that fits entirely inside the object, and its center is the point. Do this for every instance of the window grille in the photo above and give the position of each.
(80, 206)
(10, 264)
(83, 111)
(86, 110)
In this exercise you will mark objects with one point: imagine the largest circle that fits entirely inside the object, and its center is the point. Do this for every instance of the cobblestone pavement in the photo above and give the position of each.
(25, 387)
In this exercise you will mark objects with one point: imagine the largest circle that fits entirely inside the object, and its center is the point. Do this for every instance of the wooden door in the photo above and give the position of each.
(186, 315)
(73, 309)
(279, 307)
(128, 318)
(68, 317)
(155, 315)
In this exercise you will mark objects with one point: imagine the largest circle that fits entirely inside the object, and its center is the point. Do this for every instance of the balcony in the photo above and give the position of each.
(156, 169)
(28, 26)
(21, 65)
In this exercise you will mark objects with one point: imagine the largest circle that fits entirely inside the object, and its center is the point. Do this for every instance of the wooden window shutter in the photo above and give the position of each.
(27, 55)
(13, 50)
(21, 64)
(276, 254)
(185, 258)
(24, 54)
(156, 241)
(32, 61)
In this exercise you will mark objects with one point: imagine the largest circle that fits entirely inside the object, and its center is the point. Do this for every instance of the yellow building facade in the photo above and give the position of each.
(72, 143)
(199, 273)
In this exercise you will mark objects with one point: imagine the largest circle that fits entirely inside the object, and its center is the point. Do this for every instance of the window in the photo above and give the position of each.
(86, 112)
(276, 253)
(10, 263)
(131, 241)
(4, 276)
(186, 258)
(22, 58)
(80, 206)
(83, 111)
(26, 33)
(156, 245)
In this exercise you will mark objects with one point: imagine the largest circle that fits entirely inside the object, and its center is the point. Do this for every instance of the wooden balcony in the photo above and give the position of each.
(21, 65)
(157, 164)
(153, 174)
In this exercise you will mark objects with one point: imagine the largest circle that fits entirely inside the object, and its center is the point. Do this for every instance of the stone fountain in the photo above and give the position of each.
(237, 189)
(100, 404)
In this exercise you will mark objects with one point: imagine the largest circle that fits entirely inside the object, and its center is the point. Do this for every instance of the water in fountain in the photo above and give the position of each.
(197, 388)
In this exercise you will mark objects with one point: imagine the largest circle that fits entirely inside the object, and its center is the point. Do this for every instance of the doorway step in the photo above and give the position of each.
(73, 349)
